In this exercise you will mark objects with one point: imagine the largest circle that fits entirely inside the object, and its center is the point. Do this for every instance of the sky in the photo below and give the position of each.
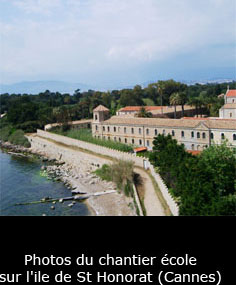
(117, 42)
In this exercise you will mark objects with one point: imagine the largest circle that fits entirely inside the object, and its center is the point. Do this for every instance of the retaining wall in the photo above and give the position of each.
(174, 208)
(138, 161)
(69, 155)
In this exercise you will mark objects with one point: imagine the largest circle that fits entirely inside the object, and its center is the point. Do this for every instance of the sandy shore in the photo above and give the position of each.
(82, 180)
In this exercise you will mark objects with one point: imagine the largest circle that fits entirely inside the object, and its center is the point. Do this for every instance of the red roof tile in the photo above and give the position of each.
(140, 149)
(231, 93)
(194, 152)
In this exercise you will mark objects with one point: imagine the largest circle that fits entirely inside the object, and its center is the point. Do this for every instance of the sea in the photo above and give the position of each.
(21, 182)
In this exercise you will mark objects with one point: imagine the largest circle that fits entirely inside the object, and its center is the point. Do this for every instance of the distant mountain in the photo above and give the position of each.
(35, 87)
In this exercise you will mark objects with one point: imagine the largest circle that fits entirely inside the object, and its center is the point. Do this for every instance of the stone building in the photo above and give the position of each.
(194, 133)
(228, 111)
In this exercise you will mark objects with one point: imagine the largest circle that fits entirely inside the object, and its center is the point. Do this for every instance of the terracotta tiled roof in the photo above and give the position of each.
(100, 108)
(229, 106)
(138, 149)
(231, 93)
(159, 122)
(165, 109)
(194, 152)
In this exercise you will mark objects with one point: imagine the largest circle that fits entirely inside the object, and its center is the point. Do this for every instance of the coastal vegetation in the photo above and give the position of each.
(204, 184)
(121, 173)
(14, 136)
(86, 135)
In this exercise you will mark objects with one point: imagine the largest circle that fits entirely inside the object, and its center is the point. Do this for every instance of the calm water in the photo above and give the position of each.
(20, 182)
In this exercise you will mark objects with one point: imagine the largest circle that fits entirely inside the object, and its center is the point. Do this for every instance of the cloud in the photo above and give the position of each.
(84, 37)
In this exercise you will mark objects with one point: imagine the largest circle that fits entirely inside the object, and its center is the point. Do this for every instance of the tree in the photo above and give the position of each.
(143, 113)
(175, 100)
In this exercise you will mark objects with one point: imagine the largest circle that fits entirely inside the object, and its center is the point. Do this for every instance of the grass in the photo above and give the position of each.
(86, 135)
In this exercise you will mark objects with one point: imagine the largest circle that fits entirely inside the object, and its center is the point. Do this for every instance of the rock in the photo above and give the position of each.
(61, 200)
(52, 207)
(71, 205)
(91, 182)
(44, 215)
(54, 202)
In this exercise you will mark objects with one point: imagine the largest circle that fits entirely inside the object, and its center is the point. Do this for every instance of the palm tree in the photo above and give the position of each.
(183, 100)
(161, 87)
(194, 101)
(175, 100)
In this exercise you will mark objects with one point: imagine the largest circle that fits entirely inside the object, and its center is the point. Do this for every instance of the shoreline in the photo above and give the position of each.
(79, 180)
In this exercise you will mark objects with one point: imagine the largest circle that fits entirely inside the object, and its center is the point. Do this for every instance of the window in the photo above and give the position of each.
(192, 146)
(132, 130)
(140, 131)
(156, 132)
(173, 133)
(114, 129)
(230, 115)
(132, 141)
(147, 143)
(198, 147)
(222, 136)
(119, 139)
(212, 136)
(192, 134)
(115, 139)
(140, 142)
(147, 132)
(125, 140)
(198, 135)
(182, 134)
(103, 129)
(118, 129)
(203, 135)
(234, 137)
(96, 127)
(164, 132)
(109, 138)
(125, 130)
(108, 129)
(96, 117)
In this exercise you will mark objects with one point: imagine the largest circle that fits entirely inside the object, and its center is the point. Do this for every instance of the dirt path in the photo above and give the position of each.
(152, 204)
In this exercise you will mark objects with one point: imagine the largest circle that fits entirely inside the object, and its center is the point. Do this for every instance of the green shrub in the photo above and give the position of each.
(30, 126)
(5, 133)
(18, 138)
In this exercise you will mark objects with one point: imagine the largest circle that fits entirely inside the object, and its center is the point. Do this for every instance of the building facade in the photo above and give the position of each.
(194, 133)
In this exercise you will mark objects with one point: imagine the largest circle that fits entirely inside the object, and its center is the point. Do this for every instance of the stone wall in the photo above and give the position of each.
(138, 161)
(174, 208)
(68, 155)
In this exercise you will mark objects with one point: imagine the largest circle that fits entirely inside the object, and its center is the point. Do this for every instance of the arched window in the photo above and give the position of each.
(230, 115)
(222, 136)
(119, 139)
(203, 135)
(108, 129)
(192, 134)
(173, 133)
(114, 129)
(192, 146)
(156, 132)
(132, 141)
(164, 132)
(96, 127)
(109, 138)
(182, 134)
(147, 143)
(103, 128)
(212, 136)
(234, 137)
(198, 135)
(132, 130)
(147, 132)
(96, 117)
(198, 147)
(115, 139)
(140, 142)
(140, 131)
(125, 130)
(125, 140)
